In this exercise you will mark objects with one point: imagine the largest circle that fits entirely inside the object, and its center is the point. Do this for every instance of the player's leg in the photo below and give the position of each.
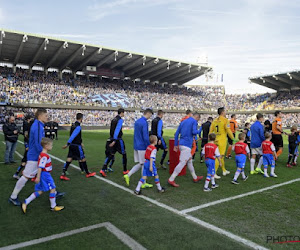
(28, 173)
(52, 199)
(32, 197)
(230, 142)
(272, 161)
(266, 164)
(141, 182)
(185, 156)
(109, 168)
(124, 156)
(65, 168)
(108, 159)
(280, 146)
(140, 162)
(192, 171)
(164, 154)
(84, 166)
(23, 164)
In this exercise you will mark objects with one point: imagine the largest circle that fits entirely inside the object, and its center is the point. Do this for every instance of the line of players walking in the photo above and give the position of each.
(213, 135)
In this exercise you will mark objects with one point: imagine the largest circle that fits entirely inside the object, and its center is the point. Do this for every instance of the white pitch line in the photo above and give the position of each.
(126, 239)
(192, 209)
(204, 224)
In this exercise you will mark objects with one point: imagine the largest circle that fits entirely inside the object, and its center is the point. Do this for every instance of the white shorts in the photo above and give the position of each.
(139, 156)
(256, 151)
(185, 153)
(31, 169)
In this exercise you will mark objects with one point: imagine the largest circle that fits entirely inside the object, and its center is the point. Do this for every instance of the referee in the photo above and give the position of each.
(157, 129)
(115, 143)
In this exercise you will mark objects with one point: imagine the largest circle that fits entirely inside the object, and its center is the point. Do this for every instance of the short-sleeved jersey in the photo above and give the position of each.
(268, 147)
(150, 152)
(220, 126)
(277, 122)
(211, 151)
(233, 125)
(44, 162)
(241, 148)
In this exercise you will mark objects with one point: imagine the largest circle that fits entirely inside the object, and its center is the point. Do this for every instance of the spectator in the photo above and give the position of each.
(11, 132)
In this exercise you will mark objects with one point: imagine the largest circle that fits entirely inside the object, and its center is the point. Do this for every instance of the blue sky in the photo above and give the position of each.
(240, 38)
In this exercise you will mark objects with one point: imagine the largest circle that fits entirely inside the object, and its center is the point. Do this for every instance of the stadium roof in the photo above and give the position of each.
(49, 52)
(282, 81)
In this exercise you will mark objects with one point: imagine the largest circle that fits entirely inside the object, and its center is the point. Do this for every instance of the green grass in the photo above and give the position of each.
(91, 201)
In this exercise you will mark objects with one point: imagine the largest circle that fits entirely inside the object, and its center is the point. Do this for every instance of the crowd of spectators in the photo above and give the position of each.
(37, 87)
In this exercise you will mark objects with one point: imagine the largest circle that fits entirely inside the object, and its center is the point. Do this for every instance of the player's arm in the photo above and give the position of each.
(152, 159)
(118, 129)
(178, 131)
(248, 152)
(228, 130)
(261, 134)
(195, 128)
(37, 138)
(146, 134)
(274, 151)
(72, 137)
(41, 166)
(212, 127)
(298, 139)
(218, 155)
(159, 129)
(199, 132)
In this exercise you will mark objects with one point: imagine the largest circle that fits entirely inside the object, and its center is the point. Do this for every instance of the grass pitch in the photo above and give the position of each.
(91, 201)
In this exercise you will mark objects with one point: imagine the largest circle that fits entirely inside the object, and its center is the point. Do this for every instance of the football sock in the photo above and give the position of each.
(52, 200)
(141, 182)
(112, 162)
(279, 152)
(20, 169)
(124, 162)
(163, 157)
(158, 184)
(252, 163)
(106, 162)
(260, 162)
(207, 181)
(243, 174)
(229, 150)
(266, 169)
(295, 159)
(134, 169)
(223, 164)
(212, 179)
(65, 168)
(290, 158)
(19, 185)
(272, 170)
(191, 168)
(83, 166)
(32, 197)
(236, 175)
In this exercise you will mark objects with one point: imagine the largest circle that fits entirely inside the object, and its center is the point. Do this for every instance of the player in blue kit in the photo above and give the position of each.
(149, 167)
(44, 181)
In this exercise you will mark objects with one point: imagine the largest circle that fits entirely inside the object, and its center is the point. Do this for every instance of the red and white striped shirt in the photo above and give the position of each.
(45, 162)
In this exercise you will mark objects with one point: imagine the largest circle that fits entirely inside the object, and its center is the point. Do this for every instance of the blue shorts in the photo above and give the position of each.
(46, 182)
(210, 164)
(146, 170)
(268, 160)
(240, 160)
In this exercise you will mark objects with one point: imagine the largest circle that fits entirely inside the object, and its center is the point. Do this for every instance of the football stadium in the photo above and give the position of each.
(130, 153)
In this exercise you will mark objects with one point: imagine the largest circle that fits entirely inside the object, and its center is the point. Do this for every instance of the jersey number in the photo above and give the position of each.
(217, 127)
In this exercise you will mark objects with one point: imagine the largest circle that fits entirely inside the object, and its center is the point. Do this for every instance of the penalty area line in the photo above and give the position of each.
(126, 239)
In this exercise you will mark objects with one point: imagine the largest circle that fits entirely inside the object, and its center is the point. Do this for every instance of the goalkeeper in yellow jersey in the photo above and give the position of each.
(221, 127)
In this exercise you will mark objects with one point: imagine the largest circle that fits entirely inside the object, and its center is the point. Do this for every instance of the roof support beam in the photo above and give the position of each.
(20, 49)
(86, 61)
(192, 73)
(176, 73)
(295, 76)
(140, 68)
(71, 58)
(2, 35)
(38, 53)
(287, 81)
(105, 59)
(265, 84)
(135, 62)
(122, 59)
(152, 76)
(52, 60)
(153, 68)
